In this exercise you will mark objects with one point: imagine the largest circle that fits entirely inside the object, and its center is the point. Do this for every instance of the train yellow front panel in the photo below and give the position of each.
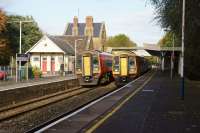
(123, 66)
(87, 66)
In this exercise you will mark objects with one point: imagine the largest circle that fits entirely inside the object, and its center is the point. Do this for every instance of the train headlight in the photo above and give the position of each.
(116, 70)
(132, 70)
(96, 69)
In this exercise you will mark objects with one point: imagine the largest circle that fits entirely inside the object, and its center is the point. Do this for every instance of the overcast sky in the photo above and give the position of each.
(131, 17)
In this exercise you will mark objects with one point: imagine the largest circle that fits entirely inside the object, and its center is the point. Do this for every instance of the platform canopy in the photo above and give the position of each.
(152, 49)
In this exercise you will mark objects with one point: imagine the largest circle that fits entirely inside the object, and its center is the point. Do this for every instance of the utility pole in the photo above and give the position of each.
(172, 57)
(20, 42)
(75, 55)
(182, 53)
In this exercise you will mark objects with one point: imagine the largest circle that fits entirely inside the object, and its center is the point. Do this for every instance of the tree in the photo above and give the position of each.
(4, 47)
(2, 21)
(120, 40)
(167, 40)
(169, 16)
(30, 33)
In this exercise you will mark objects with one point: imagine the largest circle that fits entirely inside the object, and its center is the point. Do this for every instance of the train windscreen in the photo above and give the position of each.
(95, 64)
(132, 64)
(116, 64)
(78, 63)
(87, 65)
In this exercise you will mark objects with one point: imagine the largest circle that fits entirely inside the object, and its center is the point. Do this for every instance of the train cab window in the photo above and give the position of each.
(95, 63)
(131, 62)
(116, 63)
(78, 63)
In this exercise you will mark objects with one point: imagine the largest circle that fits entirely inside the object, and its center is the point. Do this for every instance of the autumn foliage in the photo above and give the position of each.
(4, 47)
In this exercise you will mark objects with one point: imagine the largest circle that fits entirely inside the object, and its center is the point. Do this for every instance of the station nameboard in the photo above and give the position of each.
(22, 57)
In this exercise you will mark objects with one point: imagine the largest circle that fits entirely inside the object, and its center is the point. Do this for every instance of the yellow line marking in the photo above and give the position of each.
(101, 121)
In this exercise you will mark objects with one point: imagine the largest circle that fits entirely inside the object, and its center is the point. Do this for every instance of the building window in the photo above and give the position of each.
(60, 59)
(36, 59)
(44, 58)
(52, 59)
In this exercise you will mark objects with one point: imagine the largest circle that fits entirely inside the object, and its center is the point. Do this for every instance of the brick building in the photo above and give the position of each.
(96, 31)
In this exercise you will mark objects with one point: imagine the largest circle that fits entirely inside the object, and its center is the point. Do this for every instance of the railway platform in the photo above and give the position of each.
(152, 104)
(7, 85)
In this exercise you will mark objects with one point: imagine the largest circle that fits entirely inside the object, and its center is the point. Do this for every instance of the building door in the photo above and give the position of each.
(44, 64)
(52, 64)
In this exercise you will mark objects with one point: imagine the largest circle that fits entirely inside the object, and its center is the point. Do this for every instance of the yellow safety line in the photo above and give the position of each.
(101, 121)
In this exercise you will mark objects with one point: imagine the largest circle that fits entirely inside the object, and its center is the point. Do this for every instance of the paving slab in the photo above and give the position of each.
(158, 108)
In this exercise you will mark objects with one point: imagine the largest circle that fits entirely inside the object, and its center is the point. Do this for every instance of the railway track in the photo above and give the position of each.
(23, 107)
(74, 112)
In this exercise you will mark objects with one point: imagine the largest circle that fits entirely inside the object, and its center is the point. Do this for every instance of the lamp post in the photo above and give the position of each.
(182, 53)
(172, 54)
(75, 54)
(172, 57)
(20, 41)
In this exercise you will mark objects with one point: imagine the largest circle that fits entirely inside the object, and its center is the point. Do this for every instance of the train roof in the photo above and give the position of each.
(141, 53)
(119, 52)
(96, 51)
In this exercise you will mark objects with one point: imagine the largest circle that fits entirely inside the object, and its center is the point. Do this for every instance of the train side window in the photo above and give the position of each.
(109, 63)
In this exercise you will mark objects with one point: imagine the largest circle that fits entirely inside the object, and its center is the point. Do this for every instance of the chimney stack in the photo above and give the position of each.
(75, 22)
(75, 26)
(89, 21)
(89, 26)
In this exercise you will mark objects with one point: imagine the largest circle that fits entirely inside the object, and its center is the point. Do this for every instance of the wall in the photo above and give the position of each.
(58, 60)
(12, 97)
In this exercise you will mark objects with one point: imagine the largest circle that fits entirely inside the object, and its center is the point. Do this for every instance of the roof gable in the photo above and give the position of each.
(45, 45)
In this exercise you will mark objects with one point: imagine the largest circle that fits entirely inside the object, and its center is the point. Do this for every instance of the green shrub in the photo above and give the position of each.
(37, 72)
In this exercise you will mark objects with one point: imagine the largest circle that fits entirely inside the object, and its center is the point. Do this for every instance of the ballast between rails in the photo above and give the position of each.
(40, 102)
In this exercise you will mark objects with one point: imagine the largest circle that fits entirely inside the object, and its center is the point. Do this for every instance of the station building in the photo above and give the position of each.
(53, 54)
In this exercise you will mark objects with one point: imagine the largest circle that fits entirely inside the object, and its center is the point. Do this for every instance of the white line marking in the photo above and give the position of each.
(85, 107)
(148, 90)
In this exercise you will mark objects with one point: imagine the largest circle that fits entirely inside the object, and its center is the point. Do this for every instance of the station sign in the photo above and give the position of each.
(22, 57)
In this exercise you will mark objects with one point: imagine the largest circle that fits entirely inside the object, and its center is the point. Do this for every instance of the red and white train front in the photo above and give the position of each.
(94, 67)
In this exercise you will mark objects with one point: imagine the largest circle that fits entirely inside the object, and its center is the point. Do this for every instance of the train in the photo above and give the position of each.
(127, 66)
(94, 67)
(97, 67)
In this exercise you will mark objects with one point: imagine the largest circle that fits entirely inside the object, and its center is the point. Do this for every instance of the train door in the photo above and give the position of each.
(44, 64)
(52, 64)
(86, 65)
(124, 66)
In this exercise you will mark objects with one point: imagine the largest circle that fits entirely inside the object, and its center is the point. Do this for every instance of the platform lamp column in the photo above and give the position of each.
(182, 53)
(75, 55)
(20, 42)
(20, 46)
(172, 58)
